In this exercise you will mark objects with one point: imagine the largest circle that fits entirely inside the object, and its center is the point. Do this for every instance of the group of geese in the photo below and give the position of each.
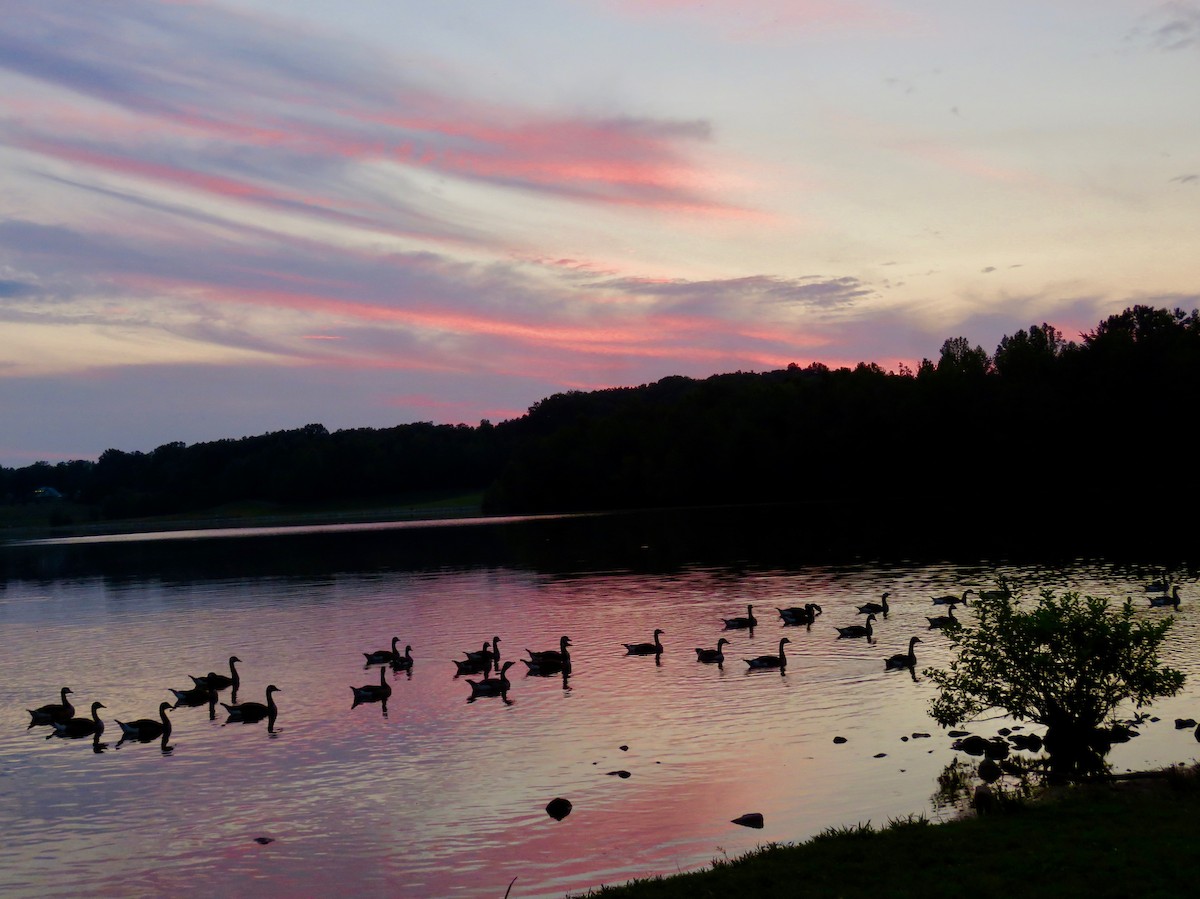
(63, 721)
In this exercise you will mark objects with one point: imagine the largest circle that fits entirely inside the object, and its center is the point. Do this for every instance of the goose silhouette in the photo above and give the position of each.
(952, 600)
(383, 656)
(373, 692)
(805, 614)
(48, 714)
(741, 623)
(221, 681)
(878, 608)
(492, 686)
(857, 630)
(249, 712)
(712, 655)
(147, 729)
(479, 665)
(903, 659)
(552, 655)
(941, 622)
(490, 655)
(1167, 600)
(777, 661)
(645, 649)
(73, 728)
(403, 662)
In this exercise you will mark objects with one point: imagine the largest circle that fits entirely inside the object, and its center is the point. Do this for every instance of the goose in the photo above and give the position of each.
(943, 621)
(196, 696)
(492, 686)
(373, 692)
(645, 649)
(48, 714)
(876, 607)
(1166, 600)
(403, 662)
(903, 659)
(952, 600)
(1004, 591)
(491, 654)
(805, 614)
(858, 630)
(779, 661)
(221, 681)
(383, 656)
(543, 667)
(741, 623)
(552, 655)
(474, 666)
(147, 729)
(711, 655)
(254, 711)
(80, 727)
(1159, 586)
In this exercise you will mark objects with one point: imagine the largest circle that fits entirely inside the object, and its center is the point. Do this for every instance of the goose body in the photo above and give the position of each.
(943, 621)
(805, 614)
(777, 661)
(645, 649)
(1159, 586)
(221, 681)
(403, 662)
(487, 654)
(878, 608)
(858, 630)
(195, 697)
(474, 666)
(741, 623)
(254, 711)
(552, 655)
(711, 655)
(492, 686)
(903, 659)
(147, 728)
(81, 727)
(383, 656)
(373, 692)
(1166, 600)
(952, 600)
(1004, 591)
(48, 714)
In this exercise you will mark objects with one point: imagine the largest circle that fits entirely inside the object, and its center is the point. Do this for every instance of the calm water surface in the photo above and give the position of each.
(435, 795)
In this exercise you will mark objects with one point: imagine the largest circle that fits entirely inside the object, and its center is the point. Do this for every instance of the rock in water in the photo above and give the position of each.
(558, 808)
(751, 819)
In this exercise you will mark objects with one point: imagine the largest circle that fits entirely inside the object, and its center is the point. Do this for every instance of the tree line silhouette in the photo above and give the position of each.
(1043, 439)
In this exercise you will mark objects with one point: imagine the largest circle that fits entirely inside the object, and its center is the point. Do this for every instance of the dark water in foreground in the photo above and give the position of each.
(445, 797)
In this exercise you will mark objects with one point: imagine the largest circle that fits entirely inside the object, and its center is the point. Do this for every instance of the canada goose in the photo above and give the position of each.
(474, 666)
(645, 649)
(147, 729)
(487, 654)
(373, 692)
(250, 712)
(196, 696)
(943, 621)
(80, 727)
(741, 623)
(1166, 600)
(1004, 590)
(548, 666)
(952, 600)
(492, 686)
(221, 681)
(552, 655)
(876, 607)
(403, 662)
(383, 656)
(903, 659)
(711, 655)
(779, 661)
(48, 714)
(805, 614)
(858, 630)
(1159, 586)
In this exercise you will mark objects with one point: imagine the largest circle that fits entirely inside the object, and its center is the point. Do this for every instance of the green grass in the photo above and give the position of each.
(1133, 840)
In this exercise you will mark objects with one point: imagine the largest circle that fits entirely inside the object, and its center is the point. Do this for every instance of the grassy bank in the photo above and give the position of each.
(1130, 839)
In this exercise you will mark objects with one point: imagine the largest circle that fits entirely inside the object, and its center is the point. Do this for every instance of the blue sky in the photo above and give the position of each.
(226, 218)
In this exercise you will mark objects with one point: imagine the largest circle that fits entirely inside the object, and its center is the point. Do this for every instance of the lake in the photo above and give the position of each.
(437, 795)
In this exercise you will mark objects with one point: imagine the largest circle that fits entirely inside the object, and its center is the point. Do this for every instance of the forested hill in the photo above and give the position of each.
(1043, 430)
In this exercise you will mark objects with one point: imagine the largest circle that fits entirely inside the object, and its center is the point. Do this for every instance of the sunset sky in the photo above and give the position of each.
(219, 219)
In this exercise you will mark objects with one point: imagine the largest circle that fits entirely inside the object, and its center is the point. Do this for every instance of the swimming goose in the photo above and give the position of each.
(221, 681)
(254, 711)
(876, 607)
(711, 655)
(196, 696)
(741, 623)
(858, 630)
(645, 649)
(1004, 591)
(552, 655)
(488, 654)
(383, 656)
(48, 714)
(80, 727)
(147, 729)
(1159, 586)
(373, 692)
(779, 661)
(548, 666)
(952, 600)
(1165, 600)
(903, 659)
(805, 614)
(943, 621)
(480, 665)
(492, 686)
(403, 662)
